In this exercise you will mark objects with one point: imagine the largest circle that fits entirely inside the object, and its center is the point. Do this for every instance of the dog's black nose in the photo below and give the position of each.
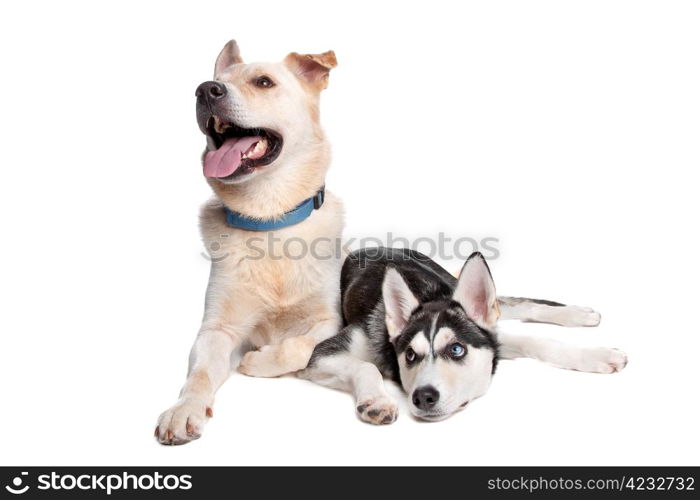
(211, 91)
(425, 397)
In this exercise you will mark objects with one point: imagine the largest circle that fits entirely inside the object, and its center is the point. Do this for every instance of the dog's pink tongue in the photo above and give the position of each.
(225, 160)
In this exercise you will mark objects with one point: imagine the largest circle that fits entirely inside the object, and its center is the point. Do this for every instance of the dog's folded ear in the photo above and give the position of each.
(476, 292)
(399, 302)
(228, 56)
(312, 68)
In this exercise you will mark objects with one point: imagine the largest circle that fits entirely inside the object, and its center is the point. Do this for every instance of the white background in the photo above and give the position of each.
(568, 130)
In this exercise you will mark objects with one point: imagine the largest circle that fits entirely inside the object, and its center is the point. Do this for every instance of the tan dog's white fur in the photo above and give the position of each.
(287, 304)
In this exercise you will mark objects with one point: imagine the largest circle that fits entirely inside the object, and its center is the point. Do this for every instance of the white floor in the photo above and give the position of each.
(104, 411)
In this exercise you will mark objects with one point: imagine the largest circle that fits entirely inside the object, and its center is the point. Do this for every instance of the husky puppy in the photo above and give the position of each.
(409, 320)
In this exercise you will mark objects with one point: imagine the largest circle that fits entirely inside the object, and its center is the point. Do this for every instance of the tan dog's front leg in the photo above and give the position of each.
(291, 355)
(210, 366)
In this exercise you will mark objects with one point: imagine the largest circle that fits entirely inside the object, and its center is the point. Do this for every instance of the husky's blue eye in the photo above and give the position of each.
(457, 350)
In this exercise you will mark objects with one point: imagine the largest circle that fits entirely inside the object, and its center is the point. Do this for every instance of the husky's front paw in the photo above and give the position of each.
(378, 411)
(602, 360)
(182, 423)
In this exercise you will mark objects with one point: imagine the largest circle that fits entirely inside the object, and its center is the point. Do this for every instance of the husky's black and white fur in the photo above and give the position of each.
(409, 320)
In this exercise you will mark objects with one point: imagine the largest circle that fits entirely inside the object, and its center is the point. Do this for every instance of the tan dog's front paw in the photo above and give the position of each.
(182, 423)
(261, 363)
(378, 411)
(274, 360)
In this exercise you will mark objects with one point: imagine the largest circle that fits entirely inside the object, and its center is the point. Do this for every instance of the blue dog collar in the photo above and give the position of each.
(302, 211)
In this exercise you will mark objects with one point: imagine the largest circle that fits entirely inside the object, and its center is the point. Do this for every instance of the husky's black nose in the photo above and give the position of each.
(425, 397)
(211, 91)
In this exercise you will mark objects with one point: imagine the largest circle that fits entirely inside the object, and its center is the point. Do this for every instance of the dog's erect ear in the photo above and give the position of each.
(312, 68)
(228, 56)
(476, 292)
(399, 302)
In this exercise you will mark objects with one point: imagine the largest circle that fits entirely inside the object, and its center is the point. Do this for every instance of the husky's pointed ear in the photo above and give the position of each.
(312, 69)
(476, 292)
(399, 302)
(228, 56)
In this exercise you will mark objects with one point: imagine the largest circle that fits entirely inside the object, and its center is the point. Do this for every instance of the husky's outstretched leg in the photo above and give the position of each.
(584, 359)
(546, 311)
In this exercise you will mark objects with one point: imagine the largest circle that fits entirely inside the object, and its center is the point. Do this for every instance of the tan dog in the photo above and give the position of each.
(266, 153)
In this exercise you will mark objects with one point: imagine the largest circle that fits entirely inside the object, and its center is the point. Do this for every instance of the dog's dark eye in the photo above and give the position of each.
(456, 350)
(410, 355)
(264, 82)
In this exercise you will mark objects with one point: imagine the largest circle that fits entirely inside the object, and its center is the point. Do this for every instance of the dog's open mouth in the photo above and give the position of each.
(238, 150)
